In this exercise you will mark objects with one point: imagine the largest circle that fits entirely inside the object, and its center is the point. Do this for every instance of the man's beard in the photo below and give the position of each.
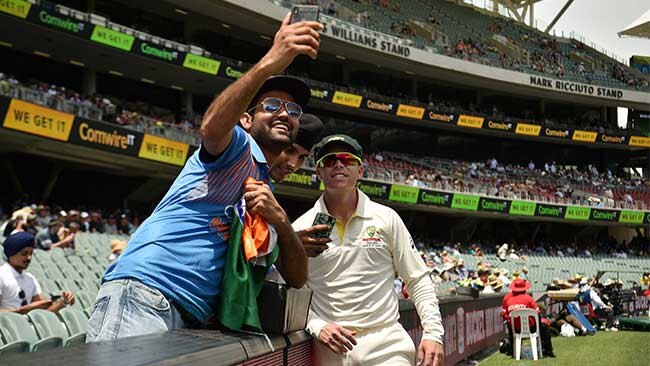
(267, 141)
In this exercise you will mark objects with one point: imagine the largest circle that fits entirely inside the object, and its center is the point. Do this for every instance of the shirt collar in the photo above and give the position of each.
(360, 211)
(13, 271)
(256, 151)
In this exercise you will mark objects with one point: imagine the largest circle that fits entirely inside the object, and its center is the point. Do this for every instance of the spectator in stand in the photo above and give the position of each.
(54, 236)
(111, 225)
(85, 222)
(502, 253)
(43, 216)
(124, 227)
(518, 299)
(96, 224)
(20, 292)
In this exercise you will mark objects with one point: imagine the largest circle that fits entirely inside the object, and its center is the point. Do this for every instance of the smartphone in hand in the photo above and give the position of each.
(304, 13)
(324, 219)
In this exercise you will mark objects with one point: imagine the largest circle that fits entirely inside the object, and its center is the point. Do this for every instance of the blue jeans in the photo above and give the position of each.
(126, 308)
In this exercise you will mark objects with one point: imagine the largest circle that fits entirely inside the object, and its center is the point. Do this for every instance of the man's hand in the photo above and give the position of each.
(68, 297)
(260, 200)
(291, 40)
(337, 338)
(313, 246)
(431, 353)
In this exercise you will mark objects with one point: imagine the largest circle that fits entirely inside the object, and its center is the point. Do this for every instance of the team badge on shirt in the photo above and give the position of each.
(373, 239)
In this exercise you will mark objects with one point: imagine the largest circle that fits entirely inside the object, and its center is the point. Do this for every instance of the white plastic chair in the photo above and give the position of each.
(535, 339)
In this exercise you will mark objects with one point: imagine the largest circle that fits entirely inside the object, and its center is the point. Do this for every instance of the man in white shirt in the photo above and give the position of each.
(354, 311)
(19, 290)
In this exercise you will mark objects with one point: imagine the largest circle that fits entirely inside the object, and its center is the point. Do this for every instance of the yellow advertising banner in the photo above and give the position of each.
(528, 129)
(350, 100)
(640, 141)
(37, 120)
(163, 150)
(19, 8)
(586, 136)
(410, 111)
(470, 121)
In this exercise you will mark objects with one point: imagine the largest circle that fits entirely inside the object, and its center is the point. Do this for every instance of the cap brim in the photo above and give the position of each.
(297, 88)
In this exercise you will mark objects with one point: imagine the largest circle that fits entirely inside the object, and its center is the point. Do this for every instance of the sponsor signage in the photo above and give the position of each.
(439, 116)
(159, 52)
(604, 215)
(575, 88)
(374, 190)
(544, 210)
(470, 121)
(465, 202)
(322, 94)
(640, 141)
(470, 326)
(60, 22)
(410, 111)
(112, 38)
(586, 136)
(493, 205)
(379, 106)
(106, 137)
(631, 217)
(612, 139)
(522, 208)
(231, 72)
(302, 178)
(403, 194)
(200, 63)
(528, 129)
(500, 126)
(18, 8)
(551, 132)
(577, 213)
(163, 150)
(347, 99)
(363, 37)
(36, 120)
(433, 198)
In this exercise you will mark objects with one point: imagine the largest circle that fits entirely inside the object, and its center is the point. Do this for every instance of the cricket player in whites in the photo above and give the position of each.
(354, 311)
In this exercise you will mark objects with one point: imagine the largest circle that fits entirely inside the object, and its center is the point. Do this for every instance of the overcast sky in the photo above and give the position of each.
(599, 20)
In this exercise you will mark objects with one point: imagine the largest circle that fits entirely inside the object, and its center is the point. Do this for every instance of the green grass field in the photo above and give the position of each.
(604, 348)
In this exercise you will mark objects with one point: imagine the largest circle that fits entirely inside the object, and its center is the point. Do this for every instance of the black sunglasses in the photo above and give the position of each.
(21, 294)
(274, 105)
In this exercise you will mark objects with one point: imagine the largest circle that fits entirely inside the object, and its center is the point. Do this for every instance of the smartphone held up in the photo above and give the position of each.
(304, 13)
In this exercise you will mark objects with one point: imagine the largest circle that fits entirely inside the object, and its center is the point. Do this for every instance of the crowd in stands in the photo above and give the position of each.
(137, 115)
(549, 182)
(55, 227)
(539, 52)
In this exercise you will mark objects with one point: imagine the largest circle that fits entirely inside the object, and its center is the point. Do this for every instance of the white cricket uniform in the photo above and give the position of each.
(12, 282)
(352, 285)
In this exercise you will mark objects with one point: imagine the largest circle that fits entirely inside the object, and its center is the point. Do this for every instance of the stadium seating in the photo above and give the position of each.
(462, 23)
(56, 270)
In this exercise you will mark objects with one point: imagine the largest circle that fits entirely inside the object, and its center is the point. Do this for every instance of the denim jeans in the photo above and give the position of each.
(126, 308)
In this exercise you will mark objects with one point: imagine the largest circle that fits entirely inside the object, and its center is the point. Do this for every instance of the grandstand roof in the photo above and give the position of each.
(638, 28)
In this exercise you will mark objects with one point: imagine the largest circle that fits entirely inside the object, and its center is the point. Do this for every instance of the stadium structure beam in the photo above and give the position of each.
(518, 9)
(558, 16)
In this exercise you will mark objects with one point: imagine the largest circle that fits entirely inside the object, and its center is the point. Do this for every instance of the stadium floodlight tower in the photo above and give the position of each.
(518, 9)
